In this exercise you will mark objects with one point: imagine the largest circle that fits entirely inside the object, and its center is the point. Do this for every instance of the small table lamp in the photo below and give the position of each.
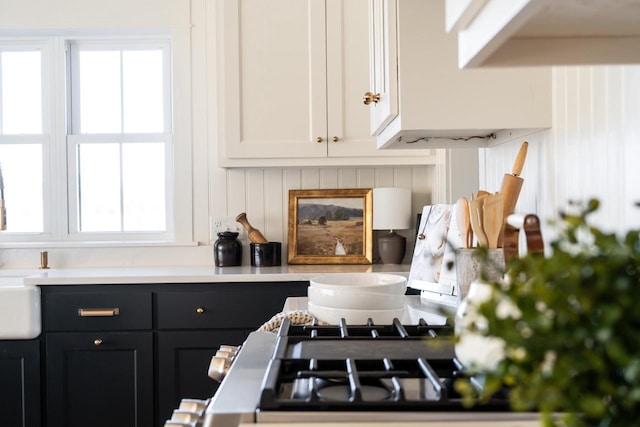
(391, 211)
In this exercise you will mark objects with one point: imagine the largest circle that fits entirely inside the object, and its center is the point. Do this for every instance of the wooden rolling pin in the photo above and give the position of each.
(511, 186)
(255, 236)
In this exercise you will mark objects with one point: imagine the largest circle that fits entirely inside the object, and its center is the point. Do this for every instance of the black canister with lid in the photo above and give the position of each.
(227, 250)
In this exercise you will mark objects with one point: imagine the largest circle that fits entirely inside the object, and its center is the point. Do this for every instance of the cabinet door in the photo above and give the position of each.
(384, 63)
(183, 364)
(272, 79)
(347, 80)
(20, 383)
(99, 379)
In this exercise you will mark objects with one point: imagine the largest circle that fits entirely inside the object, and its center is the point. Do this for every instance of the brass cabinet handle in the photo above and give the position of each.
(369, 97)
(97, 342)
(98, 312)
(335, 139)
(199, 310)
(319, 139)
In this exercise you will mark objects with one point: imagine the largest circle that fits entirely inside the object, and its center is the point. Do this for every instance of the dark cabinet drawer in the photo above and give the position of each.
(106, 311)
(234, 305)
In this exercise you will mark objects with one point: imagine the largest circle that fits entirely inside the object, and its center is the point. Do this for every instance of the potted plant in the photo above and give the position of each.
(569, 344)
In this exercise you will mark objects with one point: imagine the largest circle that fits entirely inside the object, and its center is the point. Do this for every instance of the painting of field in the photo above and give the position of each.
(330, 227)
(342, 237)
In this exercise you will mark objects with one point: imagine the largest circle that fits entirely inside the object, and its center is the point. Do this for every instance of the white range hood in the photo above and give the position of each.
(498, 33)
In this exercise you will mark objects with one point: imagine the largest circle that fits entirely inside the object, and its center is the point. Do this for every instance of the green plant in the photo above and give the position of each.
(572, 347)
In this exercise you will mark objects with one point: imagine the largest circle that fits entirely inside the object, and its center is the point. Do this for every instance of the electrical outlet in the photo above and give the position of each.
(220, 224)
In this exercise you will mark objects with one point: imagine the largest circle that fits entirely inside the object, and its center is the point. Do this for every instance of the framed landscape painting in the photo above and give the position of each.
(330, 226)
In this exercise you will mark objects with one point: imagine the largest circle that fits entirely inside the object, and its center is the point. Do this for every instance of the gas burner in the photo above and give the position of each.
(342, 392)
(365, 367)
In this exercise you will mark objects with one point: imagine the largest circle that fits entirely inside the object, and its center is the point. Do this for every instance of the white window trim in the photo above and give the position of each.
(56, 226)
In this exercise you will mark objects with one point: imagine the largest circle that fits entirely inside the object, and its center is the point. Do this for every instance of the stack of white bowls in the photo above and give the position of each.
(356, 297)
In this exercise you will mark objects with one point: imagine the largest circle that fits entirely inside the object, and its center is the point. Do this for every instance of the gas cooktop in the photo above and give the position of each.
(351, 373)
(365, 367)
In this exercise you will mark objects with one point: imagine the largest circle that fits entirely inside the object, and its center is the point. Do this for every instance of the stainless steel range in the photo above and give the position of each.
(351, 373)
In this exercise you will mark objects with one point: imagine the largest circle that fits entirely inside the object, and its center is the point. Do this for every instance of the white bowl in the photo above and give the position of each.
(370, 282)
(354, 299)
(332, 316)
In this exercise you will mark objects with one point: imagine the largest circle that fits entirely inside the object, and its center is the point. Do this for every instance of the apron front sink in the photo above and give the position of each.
(20, 316)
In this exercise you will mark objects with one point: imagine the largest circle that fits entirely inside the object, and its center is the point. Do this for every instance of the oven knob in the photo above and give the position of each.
(219, 367)
(193, 405)
(231, 349)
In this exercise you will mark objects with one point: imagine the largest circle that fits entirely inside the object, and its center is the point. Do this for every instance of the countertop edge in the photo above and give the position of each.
(196, 274)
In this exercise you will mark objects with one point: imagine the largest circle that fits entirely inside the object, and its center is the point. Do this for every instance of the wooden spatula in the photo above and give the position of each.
(462, 217)
(492, 218)
(475, 217)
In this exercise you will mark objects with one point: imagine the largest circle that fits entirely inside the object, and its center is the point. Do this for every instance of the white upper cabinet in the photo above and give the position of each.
(426, 101)
(291, 75)
(545, 32)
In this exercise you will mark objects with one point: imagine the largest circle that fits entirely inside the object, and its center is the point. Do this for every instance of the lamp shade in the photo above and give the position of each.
(391, 208)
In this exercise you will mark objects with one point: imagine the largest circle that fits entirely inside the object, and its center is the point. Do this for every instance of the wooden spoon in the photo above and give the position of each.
(475, 217)
(462, 217)
(492, 218)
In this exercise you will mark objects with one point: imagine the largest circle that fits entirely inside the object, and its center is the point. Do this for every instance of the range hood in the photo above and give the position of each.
(498, 33)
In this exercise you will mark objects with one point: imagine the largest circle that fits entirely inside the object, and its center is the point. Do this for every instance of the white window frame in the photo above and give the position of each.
(75, 138)
(59, 148)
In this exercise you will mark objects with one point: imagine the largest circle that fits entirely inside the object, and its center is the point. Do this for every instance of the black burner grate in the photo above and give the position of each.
(365, 368)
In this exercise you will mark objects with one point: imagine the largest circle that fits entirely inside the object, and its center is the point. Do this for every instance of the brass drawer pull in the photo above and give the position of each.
(98, 312)
(97, 342)
(199, 310)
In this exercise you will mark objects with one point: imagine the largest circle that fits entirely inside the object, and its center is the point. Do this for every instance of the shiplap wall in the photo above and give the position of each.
(263, 193)
(592, 150)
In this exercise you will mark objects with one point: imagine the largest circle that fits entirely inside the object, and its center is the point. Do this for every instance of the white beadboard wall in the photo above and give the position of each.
(592, 150)
(263, 194)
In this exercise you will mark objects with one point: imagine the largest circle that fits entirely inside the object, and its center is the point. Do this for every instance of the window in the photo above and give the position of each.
(86, 139)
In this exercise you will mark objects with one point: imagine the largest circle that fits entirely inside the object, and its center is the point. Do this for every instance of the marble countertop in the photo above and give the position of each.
(136, 275)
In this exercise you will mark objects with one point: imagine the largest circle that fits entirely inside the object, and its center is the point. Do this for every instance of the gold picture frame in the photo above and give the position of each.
(330, 226)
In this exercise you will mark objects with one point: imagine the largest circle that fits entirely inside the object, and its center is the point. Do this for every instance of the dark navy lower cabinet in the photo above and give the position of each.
(20, 383)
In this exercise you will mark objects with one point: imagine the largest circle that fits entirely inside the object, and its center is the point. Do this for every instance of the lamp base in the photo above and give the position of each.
(391, 248)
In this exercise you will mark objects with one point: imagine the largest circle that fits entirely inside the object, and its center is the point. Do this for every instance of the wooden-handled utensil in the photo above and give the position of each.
(511, 186)
(475, 218)
(255, 236)
(462, 217)
(512, 183)
(492, 218)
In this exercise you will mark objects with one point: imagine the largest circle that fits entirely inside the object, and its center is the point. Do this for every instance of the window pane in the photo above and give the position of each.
(100, 94)
(23, 194)
(21, 89)
(142, 88)
(144, 187)
(99, 187)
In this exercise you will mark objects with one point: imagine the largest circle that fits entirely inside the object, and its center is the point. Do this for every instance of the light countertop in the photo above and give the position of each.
(137, 275)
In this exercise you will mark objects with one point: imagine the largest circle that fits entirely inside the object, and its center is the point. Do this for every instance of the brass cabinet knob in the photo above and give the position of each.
(199, 310)
(97, 342)
(369, 97)
(335, 139)
(319, 139)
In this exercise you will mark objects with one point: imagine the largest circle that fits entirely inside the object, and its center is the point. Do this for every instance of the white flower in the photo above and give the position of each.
(541, 306)
(549, 362)
(480, 352)
(518, 353)
(507, 309)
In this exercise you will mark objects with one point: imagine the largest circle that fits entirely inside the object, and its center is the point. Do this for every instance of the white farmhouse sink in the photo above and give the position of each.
(19, 309)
